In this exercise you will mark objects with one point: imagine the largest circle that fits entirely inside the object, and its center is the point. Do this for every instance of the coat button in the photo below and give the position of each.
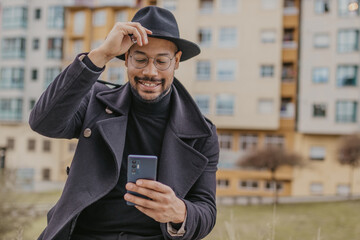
(87, 132)
(108, 110)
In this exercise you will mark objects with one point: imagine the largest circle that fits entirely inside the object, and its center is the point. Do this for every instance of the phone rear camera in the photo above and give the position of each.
(133, 166)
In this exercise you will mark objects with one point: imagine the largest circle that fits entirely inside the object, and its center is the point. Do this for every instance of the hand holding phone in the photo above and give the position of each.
(141, 167)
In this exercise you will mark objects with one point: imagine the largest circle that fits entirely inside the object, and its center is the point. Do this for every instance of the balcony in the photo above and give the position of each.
(291, 11)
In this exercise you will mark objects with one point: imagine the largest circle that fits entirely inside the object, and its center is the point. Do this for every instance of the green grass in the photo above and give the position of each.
(310, 221)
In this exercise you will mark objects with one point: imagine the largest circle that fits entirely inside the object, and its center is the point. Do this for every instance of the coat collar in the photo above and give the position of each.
(185, 120)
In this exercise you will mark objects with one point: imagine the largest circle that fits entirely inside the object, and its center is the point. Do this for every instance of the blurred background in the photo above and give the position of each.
(272, 73)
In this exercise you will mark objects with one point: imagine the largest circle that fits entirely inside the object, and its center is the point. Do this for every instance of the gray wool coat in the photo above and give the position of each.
(75, 106)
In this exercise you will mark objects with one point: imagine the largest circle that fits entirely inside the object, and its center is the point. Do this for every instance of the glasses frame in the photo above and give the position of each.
(154, 61)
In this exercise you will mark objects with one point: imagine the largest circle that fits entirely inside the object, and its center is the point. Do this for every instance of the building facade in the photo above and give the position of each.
(328, 94)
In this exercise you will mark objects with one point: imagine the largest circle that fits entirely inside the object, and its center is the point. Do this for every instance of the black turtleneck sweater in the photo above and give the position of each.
(144, 135)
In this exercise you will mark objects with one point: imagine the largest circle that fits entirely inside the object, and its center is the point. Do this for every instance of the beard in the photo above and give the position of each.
(155, 80)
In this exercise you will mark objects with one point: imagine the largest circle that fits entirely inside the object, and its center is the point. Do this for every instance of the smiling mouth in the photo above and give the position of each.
(149, 83)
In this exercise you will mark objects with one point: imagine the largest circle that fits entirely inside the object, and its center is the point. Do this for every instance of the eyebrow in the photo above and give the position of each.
(160, 54)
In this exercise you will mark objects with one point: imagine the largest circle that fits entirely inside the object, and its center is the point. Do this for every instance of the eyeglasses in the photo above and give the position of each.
(140, 60)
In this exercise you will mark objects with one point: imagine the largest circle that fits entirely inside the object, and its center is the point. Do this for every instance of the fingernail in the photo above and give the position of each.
(139, 182)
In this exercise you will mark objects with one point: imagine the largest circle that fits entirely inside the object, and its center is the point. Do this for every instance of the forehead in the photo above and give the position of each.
(155, 46)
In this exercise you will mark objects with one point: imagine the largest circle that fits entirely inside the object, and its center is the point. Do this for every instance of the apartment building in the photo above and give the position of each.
(328, 94)
(238, 81)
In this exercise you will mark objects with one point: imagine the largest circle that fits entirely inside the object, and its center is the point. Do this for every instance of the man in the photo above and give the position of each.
(152, 114)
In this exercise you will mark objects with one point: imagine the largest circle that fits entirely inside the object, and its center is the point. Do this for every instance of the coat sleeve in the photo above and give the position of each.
(201, 199)
(60, 110)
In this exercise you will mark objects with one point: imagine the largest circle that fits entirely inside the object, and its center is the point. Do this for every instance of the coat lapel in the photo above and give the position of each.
(180, 164)
(113, 131)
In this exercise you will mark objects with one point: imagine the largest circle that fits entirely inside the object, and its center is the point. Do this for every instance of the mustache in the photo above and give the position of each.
(153, 79)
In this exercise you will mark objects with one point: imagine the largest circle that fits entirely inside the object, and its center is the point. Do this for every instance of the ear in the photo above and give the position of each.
(126, 58)
(177, 59)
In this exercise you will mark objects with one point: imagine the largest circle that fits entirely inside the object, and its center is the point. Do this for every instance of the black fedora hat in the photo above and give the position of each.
(163, 25)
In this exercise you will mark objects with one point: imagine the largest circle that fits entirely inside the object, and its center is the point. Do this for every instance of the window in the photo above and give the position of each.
(269, 4)
(11, 78)
(37, 13)
(268, 36)
(289, 38)
(31, 145)
(267, 71)
(322, 6)
(99, 18)
(206, 6)
(36, 44)
(348, 7)
(79, 23)
(248, 141)
(32, 104)
(270, 185)
(78, 46)
(10, 109)
(274, 141)
(55, 17)
(225, 104)
(226, 70)
(287, 109)
(317, 153)
(205, 36)
(288, 72)
(265, 106)
(203, 102)
(13, 48)
(14, 17)
(50, 75)
(121, 16)
(203, 70)
(343, 190)
(116, 75)
(170, 4)
(55, 48)
(227, 37)
(46, 174)
(10, 145)
(316, 188)
(321, 40)
(222, 183)
(34, 74)
(228, 6)
(290, 8)
(320, 75)
(348, 41)
(225, 141)
(319, 110)
(46, 145)
(347, 75)
(346, 111)
(249, 184)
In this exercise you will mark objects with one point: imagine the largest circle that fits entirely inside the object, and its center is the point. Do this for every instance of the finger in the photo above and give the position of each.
(142, 31)
(154, 195)
(135, 33)
(146, 203)
(154, 185)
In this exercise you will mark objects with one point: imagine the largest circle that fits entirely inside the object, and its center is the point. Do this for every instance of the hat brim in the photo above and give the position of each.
(188, 49)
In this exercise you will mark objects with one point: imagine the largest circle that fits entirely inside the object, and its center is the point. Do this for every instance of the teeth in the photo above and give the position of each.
(150, 84)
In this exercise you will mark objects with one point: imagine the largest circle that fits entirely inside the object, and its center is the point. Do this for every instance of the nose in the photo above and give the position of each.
(150, 69)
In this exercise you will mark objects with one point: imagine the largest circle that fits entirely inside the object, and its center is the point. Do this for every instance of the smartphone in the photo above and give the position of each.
(141, 167)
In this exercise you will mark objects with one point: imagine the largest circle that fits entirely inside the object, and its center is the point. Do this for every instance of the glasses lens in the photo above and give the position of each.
(162, 62)
(139, 60)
